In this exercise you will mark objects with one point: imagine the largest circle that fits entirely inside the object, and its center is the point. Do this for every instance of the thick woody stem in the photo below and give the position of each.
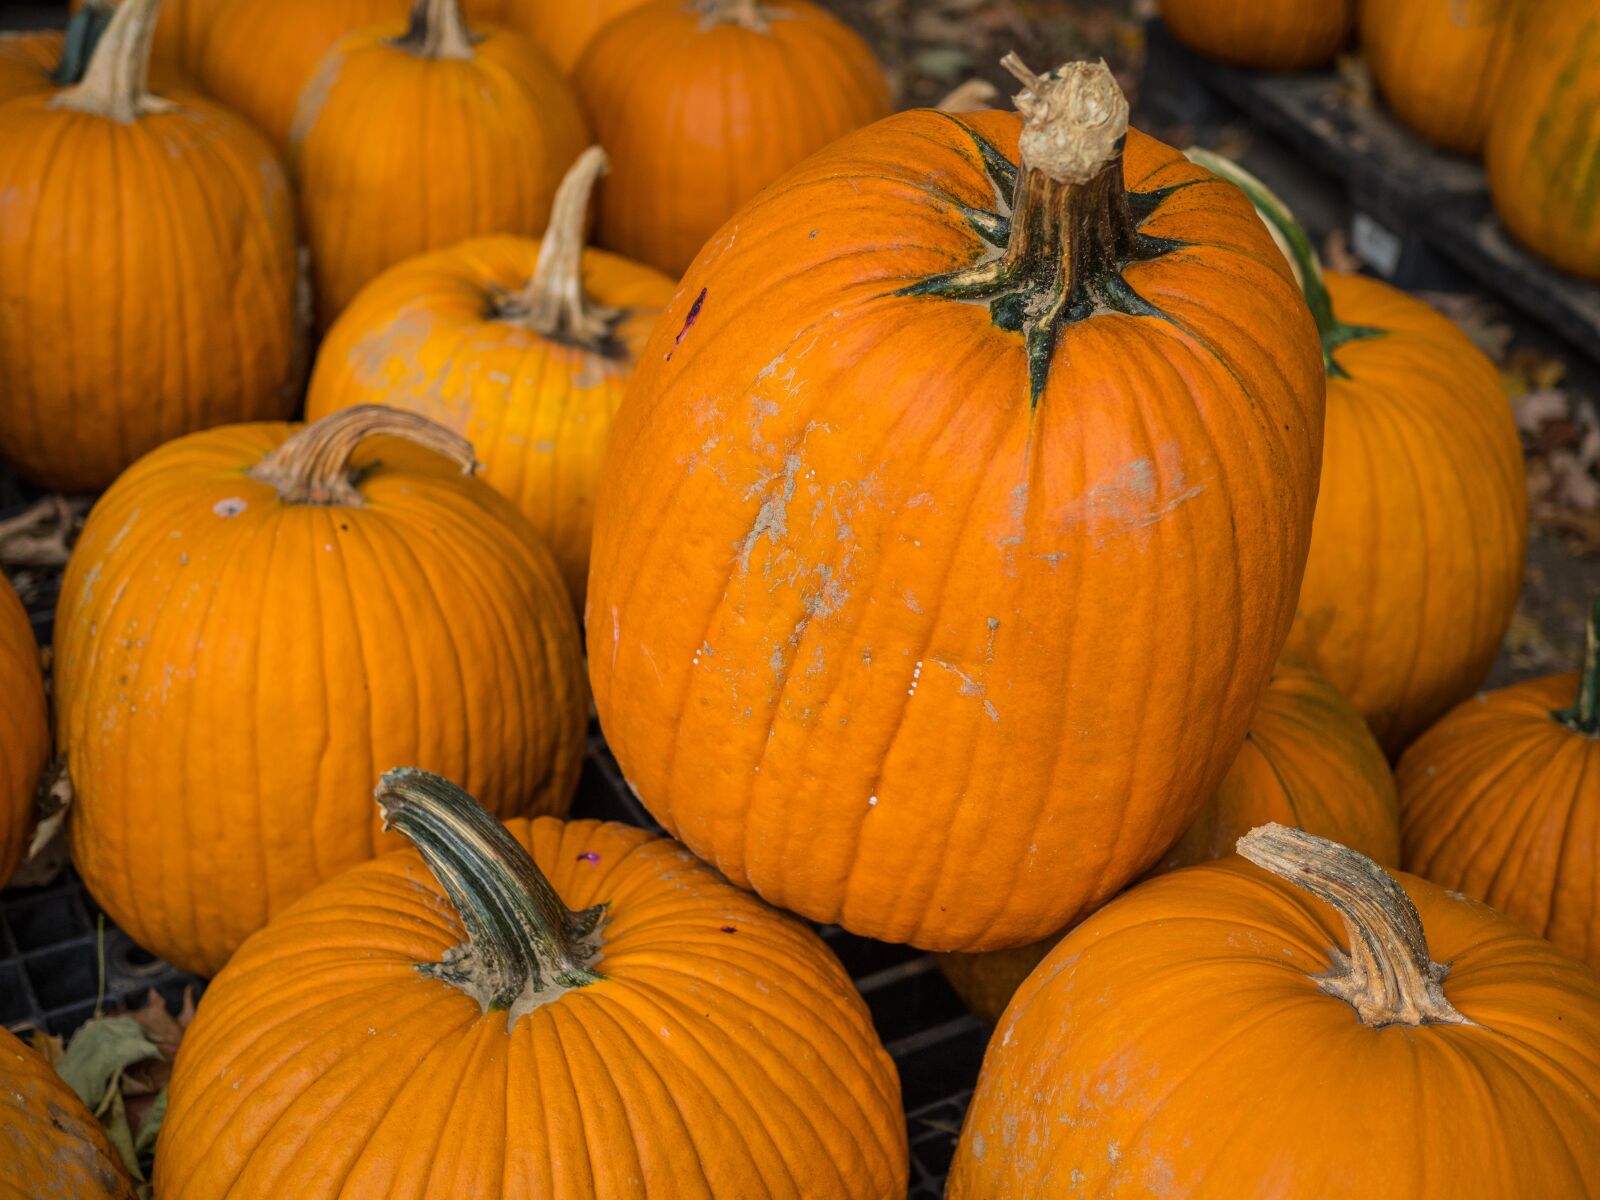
(313, 465)
(115, 84)
(747, 14)
(1584, 715)
(438, 30)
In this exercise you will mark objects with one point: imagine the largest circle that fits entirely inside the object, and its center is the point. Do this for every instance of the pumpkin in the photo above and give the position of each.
(180, 34)
(45, 60)
(24, 729)
(131, 311)
(1213, 1034)
(255, 622)
(1308, 760)
(562, 28)
(1439, 63)
(1501, 800)
(523, 347)
(559, 1010)
(1267, 35)
(702, 103)
(888, 524)
(50, 1145)
(412, 138)
(1543, 151)
(1422, 520)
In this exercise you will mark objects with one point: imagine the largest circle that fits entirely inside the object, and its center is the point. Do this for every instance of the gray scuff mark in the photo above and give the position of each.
(772, 519)
(911, 602)
(971, 686)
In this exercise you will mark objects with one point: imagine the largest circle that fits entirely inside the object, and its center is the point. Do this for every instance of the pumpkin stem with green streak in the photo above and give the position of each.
(554, 304)
(1584, 714)
(115, 84)
(1387, 975)
(524, 946)
(84, 31)
(437, 30)
(313, 464)
(1296, 246)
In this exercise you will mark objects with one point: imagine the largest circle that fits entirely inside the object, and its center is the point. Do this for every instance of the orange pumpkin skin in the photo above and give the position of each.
(1423, 502)
(699, 112)
(24, 729)
(233, 671)
(259, 55)
(213, 311)
(1176, 1044)
(1501, 800)
(834, 531)
(563, 29)
(397, 152)
(1308, 761)
(724, 1053)
(51, 1148)
(1543, 151)
(1267, 35)
(426, 335)
(1439, 63)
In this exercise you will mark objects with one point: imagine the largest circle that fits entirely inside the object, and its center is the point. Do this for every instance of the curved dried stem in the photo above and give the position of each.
(313, 465)
(116, 83)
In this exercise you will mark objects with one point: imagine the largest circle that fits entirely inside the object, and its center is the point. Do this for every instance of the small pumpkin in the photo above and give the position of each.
(181, 32)
(1501, 800)
(523, 347)
(883, 441)
(24, 729)
(1308, 760)
(412, 138)
(255, 621)
(51, 1147)
(1543, 151)
(1423, 499)
(556, 1010)
(1213, 1034)
(702, 103)
(563, 29)
(131, 311)
(1266, 35)
(1439, 64)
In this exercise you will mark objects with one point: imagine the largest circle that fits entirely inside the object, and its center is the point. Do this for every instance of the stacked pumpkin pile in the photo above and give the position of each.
(989, 518)
(1517, 81)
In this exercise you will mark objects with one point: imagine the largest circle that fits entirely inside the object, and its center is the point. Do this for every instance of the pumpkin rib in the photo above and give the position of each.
(1518, 848)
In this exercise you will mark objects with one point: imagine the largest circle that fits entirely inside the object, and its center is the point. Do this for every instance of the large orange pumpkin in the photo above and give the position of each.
(1439, 63)
(702, 103)
(523, 347)
(1422, 520)
(411, 138)
(563, 29)
(1268, 35)
(180, 33)
(147, 269)
(51, 1148)
(257, 621)
(1543, 150)
(906, 584)
(558, 1010)
(24, 729)
(1214, 1034)
(1308, 761)
(1501, 800)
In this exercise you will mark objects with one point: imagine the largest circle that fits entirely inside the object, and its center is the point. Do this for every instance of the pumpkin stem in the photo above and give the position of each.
(524, 946)
(313, 464)
(84, 31)
(1296, 247)
(1584, 715)
(553, 304)
(1387, 976)
(437, 30)
(115, 84)
(746, 14)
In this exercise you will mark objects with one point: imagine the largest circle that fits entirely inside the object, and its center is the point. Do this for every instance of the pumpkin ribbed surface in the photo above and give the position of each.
(700, 109)
(722, 1052)
(24, 729)
(50, 1146)
(1501, 801)
(1543, 151)
(877, 569)
(1269, 35)
(233, 671)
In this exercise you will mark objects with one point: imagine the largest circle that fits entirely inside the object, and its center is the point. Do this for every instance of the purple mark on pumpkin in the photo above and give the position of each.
(688, 322)
(589, 856)
(729, 929)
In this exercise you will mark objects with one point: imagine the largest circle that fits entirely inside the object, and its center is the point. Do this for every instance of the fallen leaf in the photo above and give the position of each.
(98, 1053)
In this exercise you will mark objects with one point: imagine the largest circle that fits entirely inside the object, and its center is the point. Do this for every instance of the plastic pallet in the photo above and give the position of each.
(1419, 216)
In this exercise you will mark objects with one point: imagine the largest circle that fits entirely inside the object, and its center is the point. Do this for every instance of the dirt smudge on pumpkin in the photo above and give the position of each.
(970, 686)
(1134, 497)
(772, 518)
